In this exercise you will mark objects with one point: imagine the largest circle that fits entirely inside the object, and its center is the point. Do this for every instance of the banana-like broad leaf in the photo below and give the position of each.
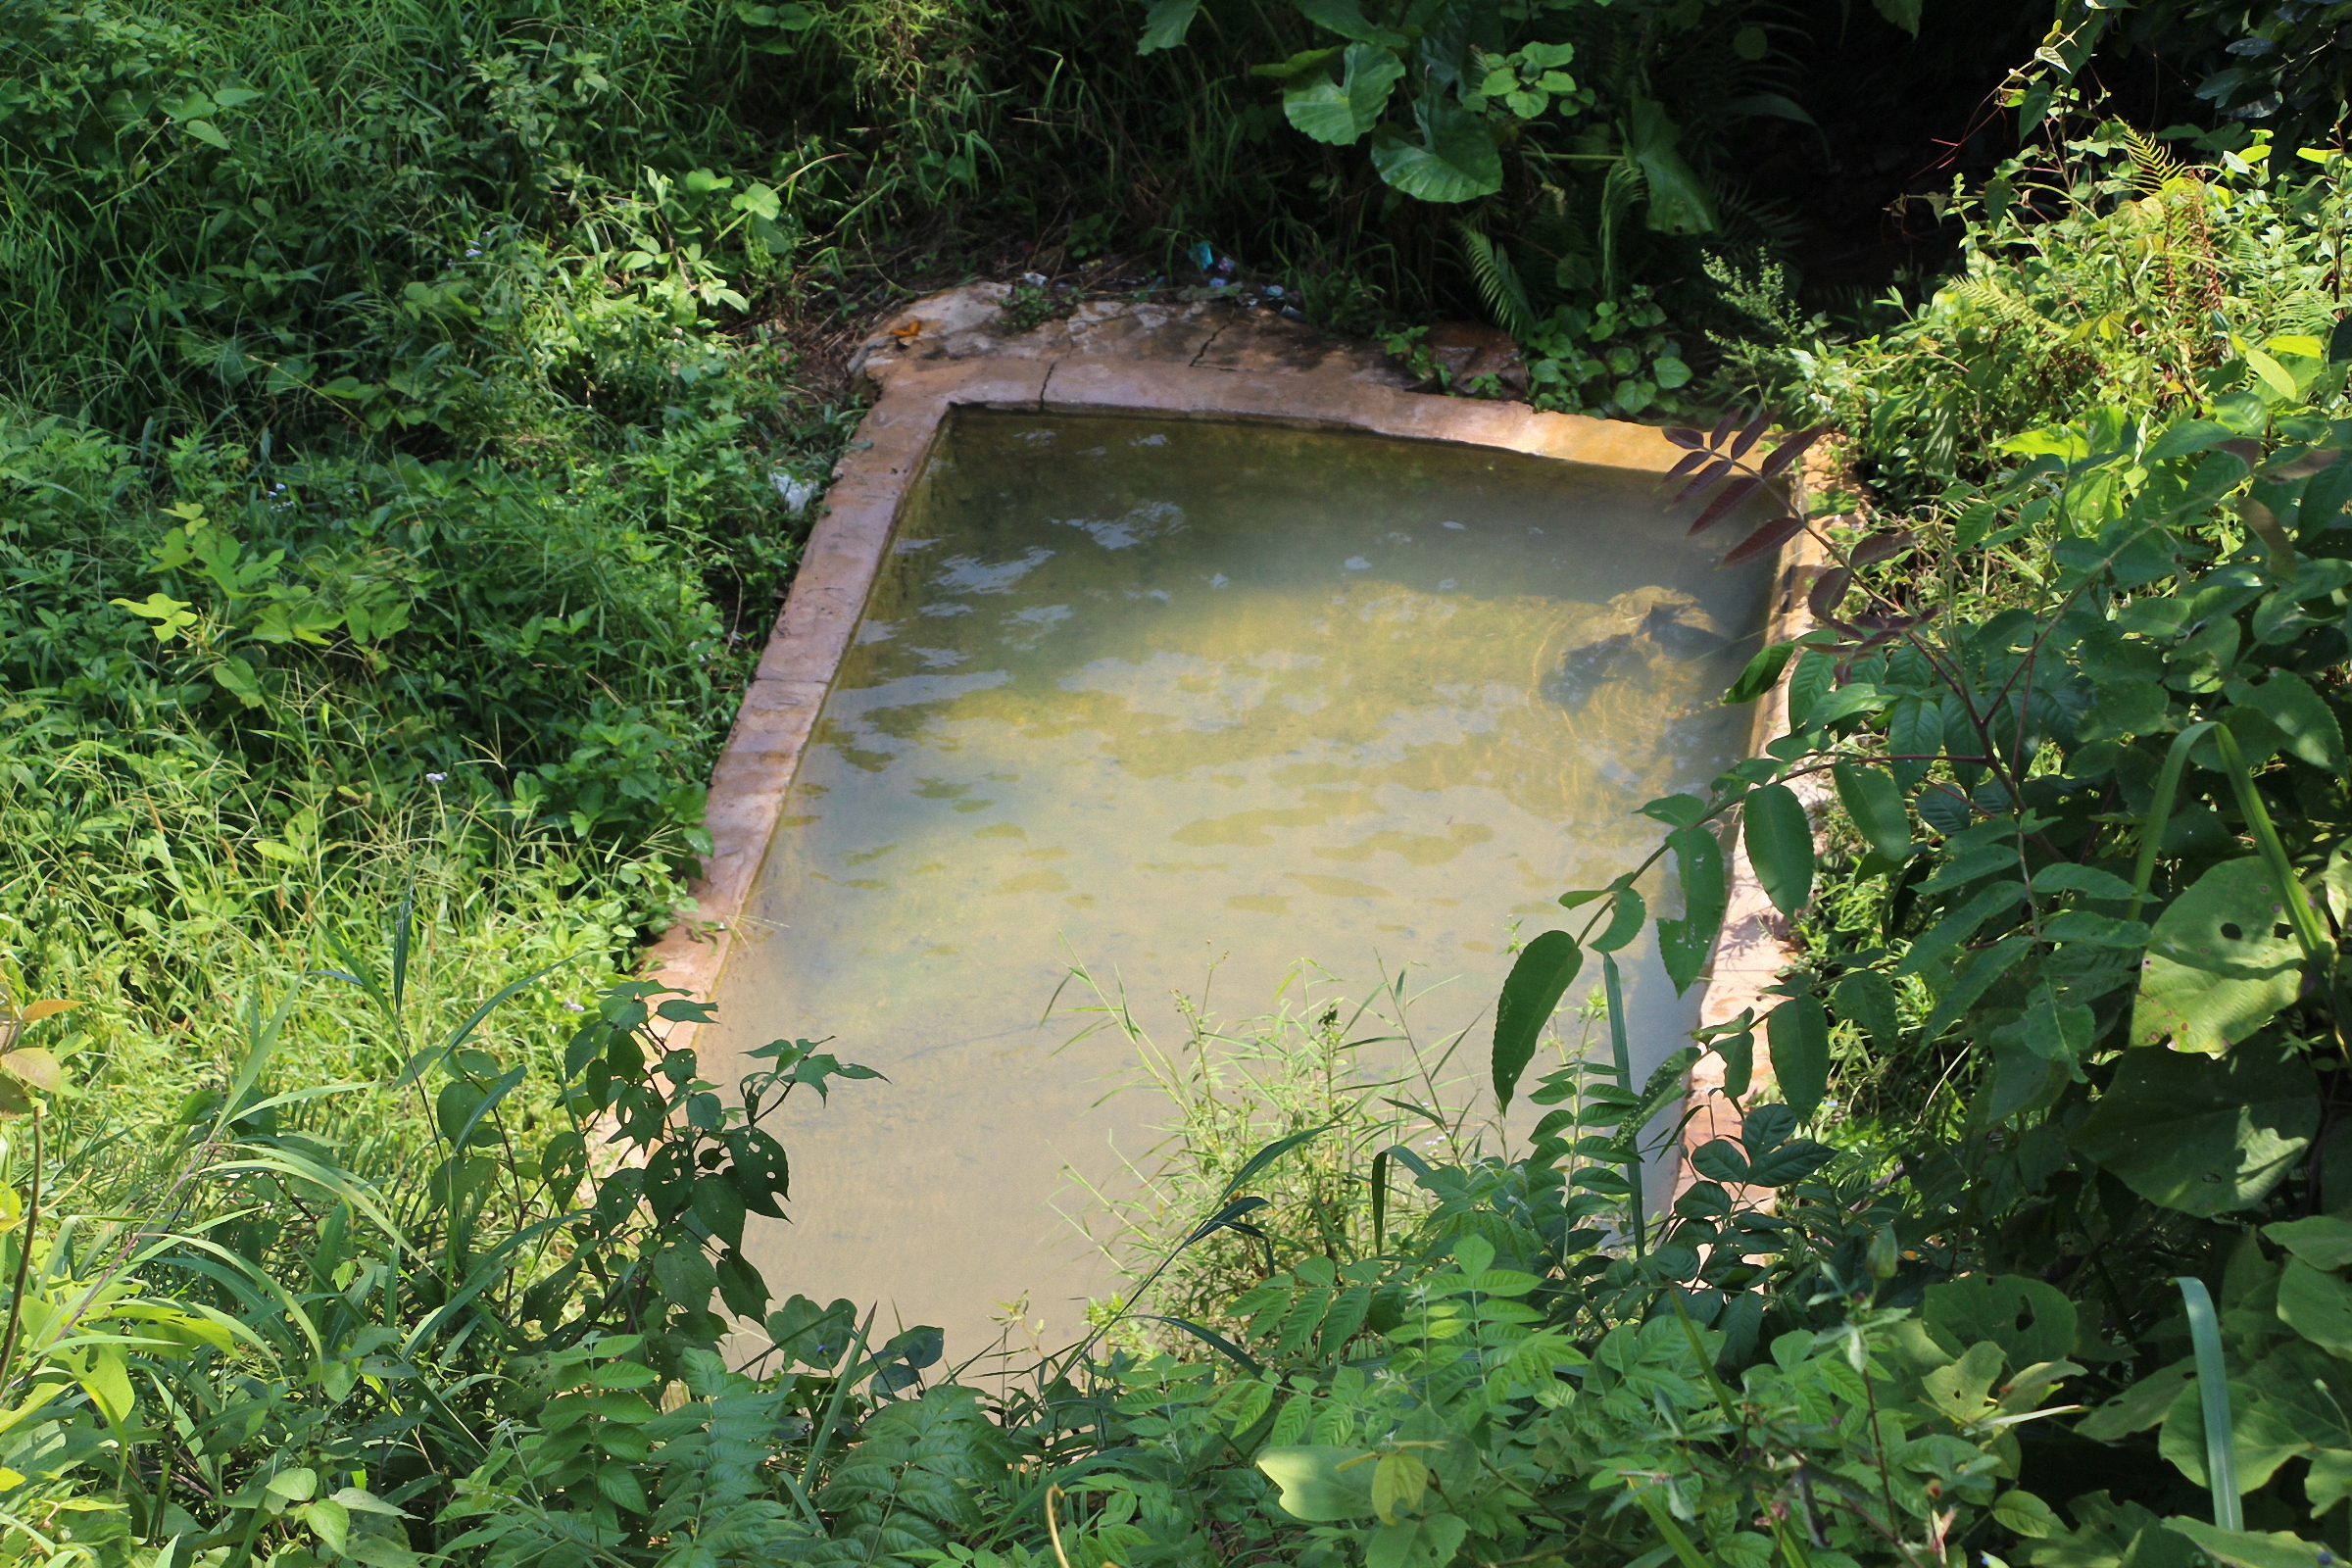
(1455, 160)
(1341, 112)
(2219, 965)
(1678, 203)
(2203, 1135)
(1321, 1484)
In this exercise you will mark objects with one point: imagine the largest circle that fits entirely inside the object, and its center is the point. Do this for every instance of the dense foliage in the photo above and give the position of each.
(408, 431)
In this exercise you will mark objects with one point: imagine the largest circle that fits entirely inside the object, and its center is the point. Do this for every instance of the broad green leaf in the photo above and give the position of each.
(1455, 159)
(1341, 112)
(2316, 1305)
(1945, 936)
(1314, 1485)
(1417, 1542)
(2228, 922)
(1904, 14)
(1346, 19)
(2022, 1513)
(2330, 1479)
(2306, 1388)
(1297, 65)
(2029, 1320)
(2221, 962)
(299, 1484)
(2303, 718)
(2323, 1241)
(1678, 203)
(1914, 729)
(1684, 945)
(1866, 1000)
(1780, 844)
(1541, 973)
(1399, 1481)
(2247, 1548)
(761, 201)
(1874, 801)
(2201, 1012)
(1739, 1054)
(1628, 913)
(108, 1383)
(2260, 1440)
(2184, 438)
(1166, 24)
(2203, 1135)
(34, 1067)
(1762, 674)
(204, 130)
(1799, 1038)
(330, 1521)
(2140, 1407)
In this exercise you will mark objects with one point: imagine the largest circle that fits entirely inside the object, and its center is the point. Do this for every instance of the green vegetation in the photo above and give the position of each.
(409, 419)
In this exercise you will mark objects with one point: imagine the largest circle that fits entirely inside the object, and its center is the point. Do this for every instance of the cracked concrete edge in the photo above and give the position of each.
(850, 542)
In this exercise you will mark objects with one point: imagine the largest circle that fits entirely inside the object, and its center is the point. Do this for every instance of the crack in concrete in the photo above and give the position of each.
(1205, 347)
(1050, 366)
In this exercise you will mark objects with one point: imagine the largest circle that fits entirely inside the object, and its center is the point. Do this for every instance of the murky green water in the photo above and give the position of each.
(1156, 695)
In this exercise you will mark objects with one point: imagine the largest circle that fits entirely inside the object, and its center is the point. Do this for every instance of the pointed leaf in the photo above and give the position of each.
(1545, 968)
(1800, 1037)
(1780, 844)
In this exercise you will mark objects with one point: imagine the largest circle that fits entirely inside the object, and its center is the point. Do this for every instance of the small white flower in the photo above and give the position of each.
(436, 778)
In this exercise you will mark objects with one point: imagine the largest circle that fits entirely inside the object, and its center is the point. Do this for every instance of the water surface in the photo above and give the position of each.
(1157, 696)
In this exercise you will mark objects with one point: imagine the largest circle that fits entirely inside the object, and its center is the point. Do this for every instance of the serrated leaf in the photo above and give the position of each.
(1538, 977)
(1780, 844)
(1799, 1038)
(1874, 802)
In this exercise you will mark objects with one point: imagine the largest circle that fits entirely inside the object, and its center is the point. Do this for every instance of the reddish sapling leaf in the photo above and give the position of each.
(1715, 470)
(1682, 437)
(1887, 622)
(1751, 435)
(1687, 461)
(1790, 451)
(1828, 592)
(1882, 547)
(1727, 500)
(1773, 534)
(1723, 427)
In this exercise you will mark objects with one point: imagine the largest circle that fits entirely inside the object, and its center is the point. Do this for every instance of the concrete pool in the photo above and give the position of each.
(1164, 694)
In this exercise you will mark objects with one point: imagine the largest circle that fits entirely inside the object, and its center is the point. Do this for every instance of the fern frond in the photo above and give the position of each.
(1498, 285)
(2153, 166)
(1988, 298)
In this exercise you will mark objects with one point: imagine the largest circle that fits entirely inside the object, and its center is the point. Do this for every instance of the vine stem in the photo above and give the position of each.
(16, 1300)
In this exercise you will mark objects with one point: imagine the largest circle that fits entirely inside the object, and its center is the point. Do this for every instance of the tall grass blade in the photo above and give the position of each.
(2160, 812)
(2213, 1391)
(1621, 1053)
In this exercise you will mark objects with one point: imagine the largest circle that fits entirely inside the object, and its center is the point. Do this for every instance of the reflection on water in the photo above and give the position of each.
(1152, 695)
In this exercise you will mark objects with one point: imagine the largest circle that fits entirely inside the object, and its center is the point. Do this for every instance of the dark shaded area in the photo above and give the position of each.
(1899, 119)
